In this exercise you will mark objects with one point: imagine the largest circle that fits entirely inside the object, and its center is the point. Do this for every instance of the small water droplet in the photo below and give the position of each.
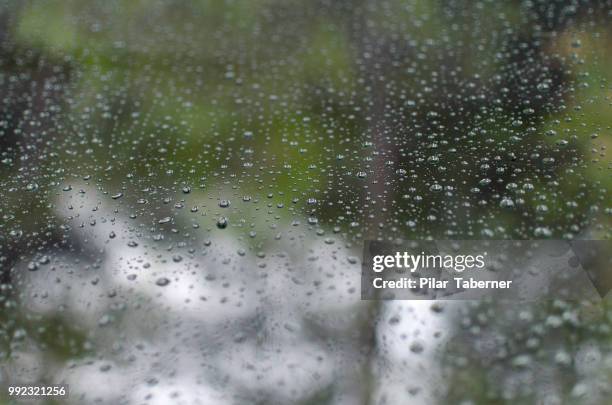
(162, 281)
(164, 220)
(222, 222)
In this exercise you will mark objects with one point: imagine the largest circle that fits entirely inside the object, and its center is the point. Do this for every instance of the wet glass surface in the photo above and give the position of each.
(186, 188)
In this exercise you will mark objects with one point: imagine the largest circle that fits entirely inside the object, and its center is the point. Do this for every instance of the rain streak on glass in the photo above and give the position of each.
(186, 188)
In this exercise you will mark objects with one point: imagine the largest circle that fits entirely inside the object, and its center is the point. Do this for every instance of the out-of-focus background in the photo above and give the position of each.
(185, 188)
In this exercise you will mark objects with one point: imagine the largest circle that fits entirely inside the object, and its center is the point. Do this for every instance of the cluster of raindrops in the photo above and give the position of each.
(199, 155)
